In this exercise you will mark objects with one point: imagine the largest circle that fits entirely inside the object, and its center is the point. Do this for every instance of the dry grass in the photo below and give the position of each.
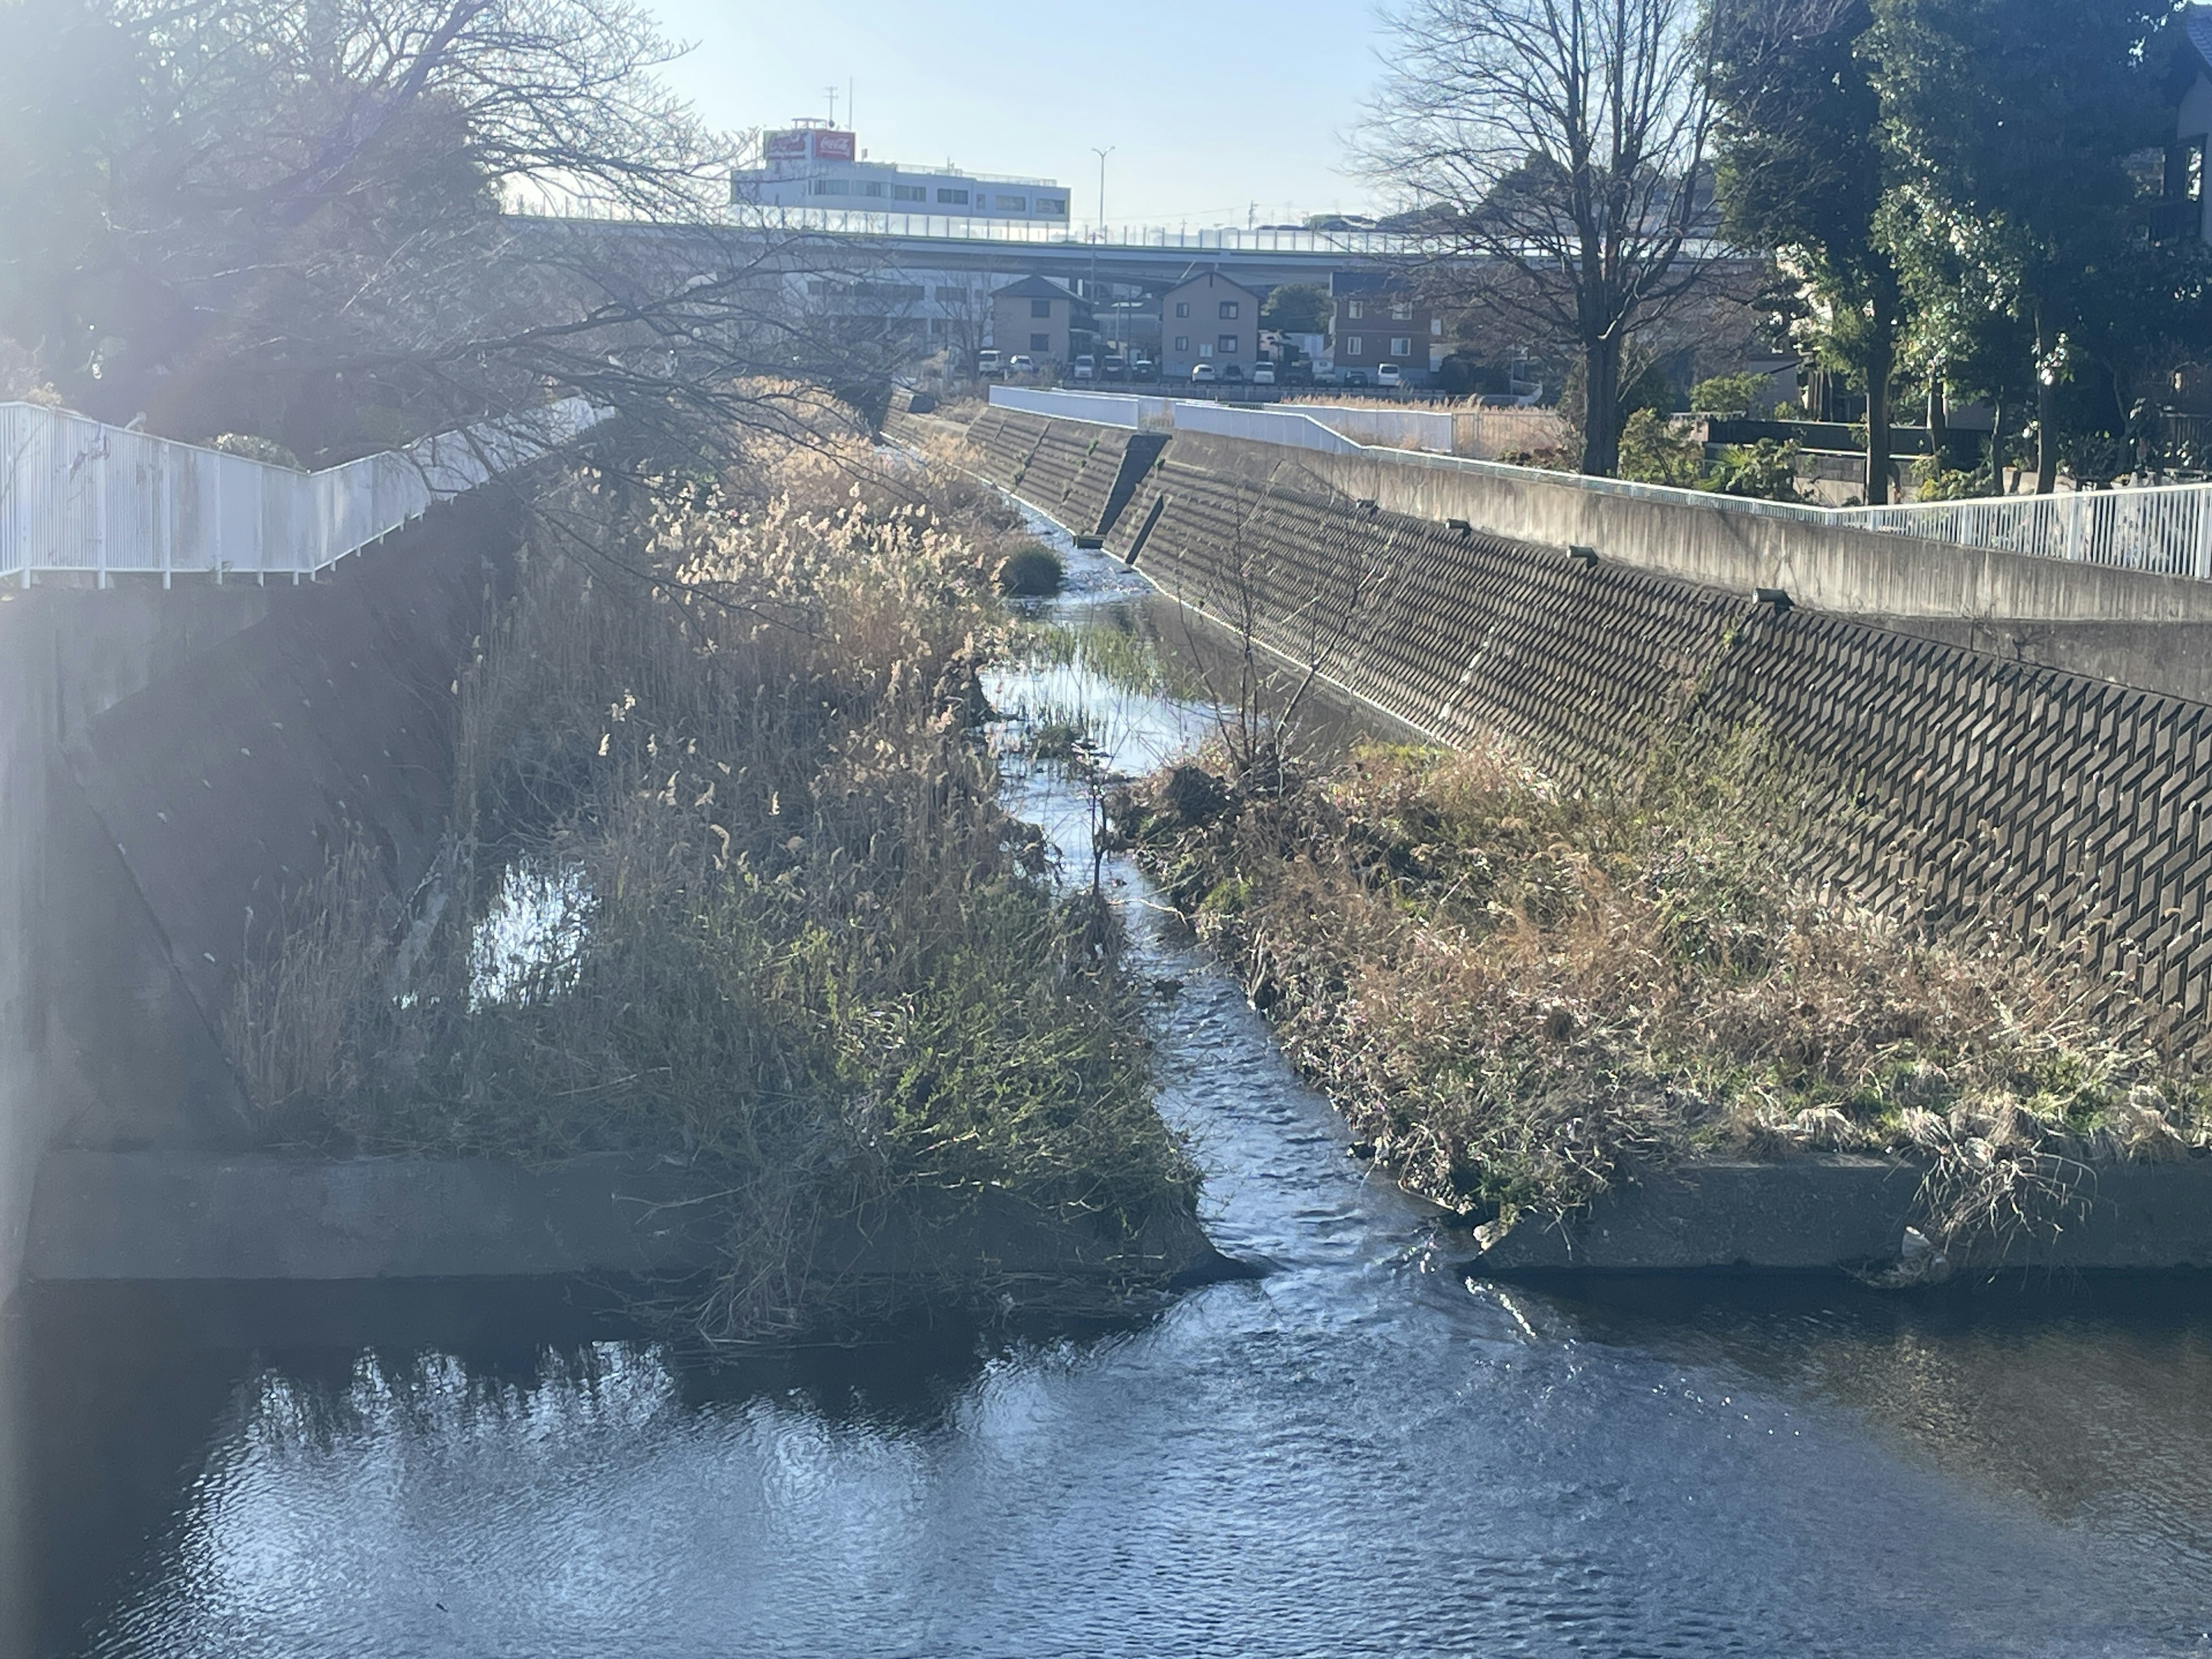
(772, 917)
(1514, 993)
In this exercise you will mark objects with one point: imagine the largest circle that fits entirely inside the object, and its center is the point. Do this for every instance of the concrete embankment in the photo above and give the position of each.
(172, 1216)
(2060, 807)
(169, 760)
(1845, 1214)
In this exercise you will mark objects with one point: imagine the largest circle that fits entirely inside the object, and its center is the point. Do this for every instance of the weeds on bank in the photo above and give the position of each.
(1514, 993)
(729, 882)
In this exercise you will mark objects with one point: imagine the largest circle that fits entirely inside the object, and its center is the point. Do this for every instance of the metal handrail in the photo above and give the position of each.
(81, 498)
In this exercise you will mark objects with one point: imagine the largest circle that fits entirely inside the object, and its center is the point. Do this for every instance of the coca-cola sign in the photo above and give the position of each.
(833, 146)
(784, 147)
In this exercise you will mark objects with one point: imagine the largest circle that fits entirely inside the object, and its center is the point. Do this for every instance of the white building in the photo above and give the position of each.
(813, 164)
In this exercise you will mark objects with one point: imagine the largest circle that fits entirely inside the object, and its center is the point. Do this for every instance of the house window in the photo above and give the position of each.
(1227, 342)
(1040, 308)
(1354, 346)
(1013, 204)
(908, 193)
(1355, 309)
(1401, 311)
(1400, 346)
(1229, 310)
(1204, 350)
(1436, 326)
(1040, 342)
(952, 197)
(1182, 342)
(2185, 170)
(1183, 307)
(829, 186)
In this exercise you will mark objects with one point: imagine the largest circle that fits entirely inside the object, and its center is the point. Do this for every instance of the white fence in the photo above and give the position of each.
(2168, 530)
(88, 499)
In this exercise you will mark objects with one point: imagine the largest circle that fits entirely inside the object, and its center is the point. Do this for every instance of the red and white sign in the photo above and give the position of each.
(786, 147)
(833, 146)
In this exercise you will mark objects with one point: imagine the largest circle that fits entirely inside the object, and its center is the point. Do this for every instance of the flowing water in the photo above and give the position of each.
(1361, 1452)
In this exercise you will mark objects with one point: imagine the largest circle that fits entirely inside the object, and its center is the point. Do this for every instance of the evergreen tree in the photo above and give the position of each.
(1802, 170)
(2013, 120)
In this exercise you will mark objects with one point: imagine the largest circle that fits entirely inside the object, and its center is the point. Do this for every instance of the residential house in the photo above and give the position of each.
(1034, 318)
(2180, 210)
(1208, 318)
(1379, 316)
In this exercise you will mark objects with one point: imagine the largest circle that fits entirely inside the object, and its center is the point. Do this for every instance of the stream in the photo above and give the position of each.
(1360, 1452)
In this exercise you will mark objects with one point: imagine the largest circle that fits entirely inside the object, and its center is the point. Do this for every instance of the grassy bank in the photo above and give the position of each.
(728, 881)
(1514, 993)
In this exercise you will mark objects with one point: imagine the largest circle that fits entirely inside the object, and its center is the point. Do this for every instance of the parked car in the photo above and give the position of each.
(1298, 374)
(1116, 368)
(987, 365)
(1390, 375)
(1086, 368)
(1202, 374)
(1233, 372)
(1144, 369)
(1263, 374)
(1021, 363)
(1352, 377)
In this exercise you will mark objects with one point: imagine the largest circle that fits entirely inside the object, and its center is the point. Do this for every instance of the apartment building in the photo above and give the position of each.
(1208, 318)
(1379, 316)
(1034, 318)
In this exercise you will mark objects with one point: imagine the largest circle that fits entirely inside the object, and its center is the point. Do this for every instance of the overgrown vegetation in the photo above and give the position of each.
(729, 882)
(1514, 993)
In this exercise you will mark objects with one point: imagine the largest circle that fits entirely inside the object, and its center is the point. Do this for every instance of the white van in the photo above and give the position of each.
(1086, 368)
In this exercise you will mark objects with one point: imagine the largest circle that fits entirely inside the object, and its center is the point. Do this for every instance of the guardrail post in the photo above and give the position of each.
(99, 480)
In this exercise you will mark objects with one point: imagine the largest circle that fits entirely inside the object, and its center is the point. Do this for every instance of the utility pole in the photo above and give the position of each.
(1102, 154)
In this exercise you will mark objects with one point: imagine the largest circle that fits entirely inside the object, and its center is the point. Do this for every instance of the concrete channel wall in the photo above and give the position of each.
(170, 763)
(2053, 806)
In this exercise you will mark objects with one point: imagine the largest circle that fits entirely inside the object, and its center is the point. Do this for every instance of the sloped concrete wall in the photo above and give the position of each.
(2063, 808)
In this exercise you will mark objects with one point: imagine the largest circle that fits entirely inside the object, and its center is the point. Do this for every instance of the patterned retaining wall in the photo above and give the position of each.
(1076, 472)
(1994, 793)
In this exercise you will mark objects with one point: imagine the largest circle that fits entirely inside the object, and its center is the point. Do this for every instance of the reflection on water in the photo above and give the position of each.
(1359, 1453)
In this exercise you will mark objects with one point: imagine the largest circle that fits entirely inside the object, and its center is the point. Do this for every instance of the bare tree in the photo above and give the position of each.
(343, 222)
(1558, 151)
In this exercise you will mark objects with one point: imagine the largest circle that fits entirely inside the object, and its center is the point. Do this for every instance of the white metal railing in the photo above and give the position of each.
(2166, 529)
(1227, 239)
(85, 499)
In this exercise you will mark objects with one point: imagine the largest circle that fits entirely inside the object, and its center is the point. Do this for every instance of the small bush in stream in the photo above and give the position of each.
(1031, 571)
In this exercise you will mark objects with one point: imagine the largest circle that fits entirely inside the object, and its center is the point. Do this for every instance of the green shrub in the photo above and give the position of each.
(1729, 394)
(1651, 453)
(1031, 571)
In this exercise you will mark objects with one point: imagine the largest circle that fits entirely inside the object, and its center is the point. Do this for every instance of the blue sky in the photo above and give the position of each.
(1213, 106)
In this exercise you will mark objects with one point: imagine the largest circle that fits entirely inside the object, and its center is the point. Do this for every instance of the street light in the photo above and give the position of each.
(1102, 154)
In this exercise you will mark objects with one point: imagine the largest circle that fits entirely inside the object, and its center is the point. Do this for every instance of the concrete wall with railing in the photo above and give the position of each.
(2106, 557)
(85, 501)
(171, 761)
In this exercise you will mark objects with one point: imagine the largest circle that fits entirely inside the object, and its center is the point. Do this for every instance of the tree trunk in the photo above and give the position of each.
(1996, 441)
(1939, 422)
(1601, 406)
(2046, 407)
(1882, 357)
